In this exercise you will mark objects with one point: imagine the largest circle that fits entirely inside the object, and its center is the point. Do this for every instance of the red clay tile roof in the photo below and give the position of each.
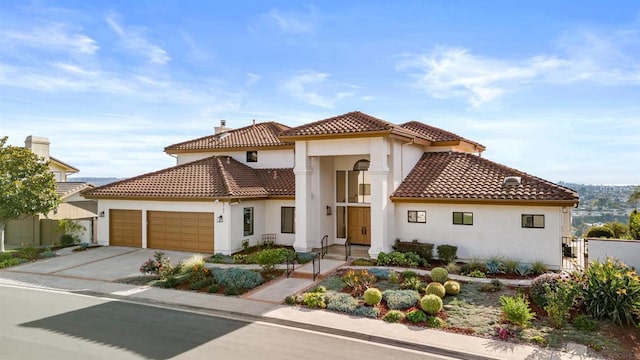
(257, 135)
(210, 178)
(467, 177)
(435, 134)
(354, 122)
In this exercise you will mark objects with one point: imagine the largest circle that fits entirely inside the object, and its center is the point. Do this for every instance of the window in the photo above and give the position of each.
(341, 224)
(287, 220)
(252, 156)
(533, 221)
(248, 221)
(463, 218)
(341, 186)
(414, 216)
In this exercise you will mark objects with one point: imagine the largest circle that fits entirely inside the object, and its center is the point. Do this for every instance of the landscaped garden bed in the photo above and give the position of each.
(25, 254)
(599, 308)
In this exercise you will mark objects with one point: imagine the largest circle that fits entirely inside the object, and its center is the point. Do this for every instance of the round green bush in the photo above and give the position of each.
(439, 274)
(372, 296)
(452, 287)
(435, 322)
(600, 232)
(436, 288)
(393, 316)
(416, 316)
(431, 304)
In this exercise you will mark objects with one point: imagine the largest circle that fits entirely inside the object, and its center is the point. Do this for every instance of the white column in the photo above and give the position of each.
(303, 171)
(378, 173)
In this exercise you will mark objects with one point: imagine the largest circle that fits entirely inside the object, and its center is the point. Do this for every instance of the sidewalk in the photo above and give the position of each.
(262, 305)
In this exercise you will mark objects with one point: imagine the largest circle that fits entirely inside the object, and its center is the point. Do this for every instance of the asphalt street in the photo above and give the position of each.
(38, 324)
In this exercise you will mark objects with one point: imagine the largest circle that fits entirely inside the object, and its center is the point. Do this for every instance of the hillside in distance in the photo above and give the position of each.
(96, 181)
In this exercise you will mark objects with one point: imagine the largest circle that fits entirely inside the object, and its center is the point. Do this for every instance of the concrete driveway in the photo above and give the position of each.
(104, 263)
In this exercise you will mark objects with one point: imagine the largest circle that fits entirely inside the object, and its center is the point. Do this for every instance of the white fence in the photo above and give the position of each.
(627, 251)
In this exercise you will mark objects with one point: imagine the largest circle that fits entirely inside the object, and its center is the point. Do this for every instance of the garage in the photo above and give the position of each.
(181, 231)
(125, 228)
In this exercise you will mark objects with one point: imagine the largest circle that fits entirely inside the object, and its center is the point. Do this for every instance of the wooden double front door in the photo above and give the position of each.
(359, 224)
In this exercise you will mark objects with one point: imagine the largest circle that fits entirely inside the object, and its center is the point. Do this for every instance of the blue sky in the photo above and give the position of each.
(549, 87)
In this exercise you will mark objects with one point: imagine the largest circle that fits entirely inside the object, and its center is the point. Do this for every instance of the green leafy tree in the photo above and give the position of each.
(634, 198)
(27, 186)
(620, 230)
(634, 224)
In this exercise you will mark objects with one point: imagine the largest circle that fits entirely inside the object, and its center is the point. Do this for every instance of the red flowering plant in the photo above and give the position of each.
(154, 265)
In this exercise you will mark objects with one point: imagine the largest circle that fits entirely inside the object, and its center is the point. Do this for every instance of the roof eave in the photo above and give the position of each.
(226, 149)
(335, 135)
(562, 203)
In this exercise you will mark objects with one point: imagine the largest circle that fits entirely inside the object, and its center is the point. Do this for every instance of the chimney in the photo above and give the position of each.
(38, 145)
(222, 128)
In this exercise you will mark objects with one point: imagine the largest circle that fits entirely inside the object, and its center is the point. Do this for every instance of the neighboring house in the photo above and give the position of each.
(41, 230)
(350, 176)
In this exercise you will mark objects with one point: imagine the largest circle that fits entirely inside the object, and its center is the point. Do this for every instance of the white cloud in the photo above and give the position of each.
(607, 59)
(307, 86)
(133, 39)
(252, 79)
(293, 22)
(52, 37)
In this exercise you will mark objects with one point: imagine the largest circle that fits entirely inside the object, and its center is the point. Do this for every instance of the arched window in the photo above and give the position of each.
(361, 165)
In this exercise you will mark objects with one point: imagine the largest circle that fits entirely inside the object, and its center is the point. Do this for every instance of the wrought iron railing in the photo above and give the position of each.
(316, 266)
(324, 246)
(291, 264)
(347, 249)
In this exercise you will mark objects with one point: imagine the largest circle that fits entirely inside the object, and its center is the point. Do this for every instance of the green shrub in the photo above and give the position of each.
(363, 262)
(366, 311)
(585, 323)
(600, 232)
(612, 291)
(393, 316)
(416, 316)
(431, 304)
(195, 268)
(435, 322)
(67, 240)
(396, 258)
(213, 288)
(235, 280)
(29, 253)
(523, 269)
(314, 300)
(510, 266)
(343, 303)
(423, 250)
(539, 267)
(409, 274)
(400, 299)
(516, 310)
(447, 253)
(439, 274)
(394, 277)
(494, 286)
(372, 296)
(477, 274)
(412, 283)
(219, 258)
(199, 284)
(358, 280)
(436, 288)
(539, 285)
(471, 266)
(634, 224)
(304, 257)
(452, 268)
(269, 258)
(11, 262)
(320, 289)
(493, 267)
(560, 300)
(452, 287)
(380, 273)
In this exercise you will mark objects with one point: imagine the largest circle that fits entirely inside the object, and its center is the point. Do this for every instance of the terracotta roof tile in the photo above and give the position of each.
(463, 176)
(434, 134)
(278, 182)
(257, 135)
(350, 123)
(213, 177)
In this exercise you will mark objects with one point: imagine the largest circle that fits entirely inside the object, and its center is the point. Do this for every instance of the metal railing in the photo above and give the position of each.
(291, 264)
(347, 249)
(316, 271)
(324, 246)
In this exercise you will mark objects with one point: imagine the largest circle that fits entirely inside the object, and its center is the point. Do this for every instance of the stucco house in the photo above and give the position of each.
(41, 229)
(350, 176)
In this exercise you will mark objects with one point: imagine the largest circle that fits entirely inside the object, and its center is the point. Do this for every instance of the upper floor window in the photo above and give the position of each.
(252, 156)
(463, 218)
(533, 221)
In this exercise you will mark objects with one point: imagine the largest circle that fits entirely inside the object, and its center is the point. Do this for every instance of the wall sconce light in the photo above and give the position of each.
(328, 210)
(101, 214)
(219, 219)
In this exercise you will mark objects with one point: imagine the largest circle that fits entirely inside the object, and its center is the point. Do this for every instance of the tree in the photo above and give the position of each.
(634, 224)
(27, 186)
(634, 198)
(620, 230)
